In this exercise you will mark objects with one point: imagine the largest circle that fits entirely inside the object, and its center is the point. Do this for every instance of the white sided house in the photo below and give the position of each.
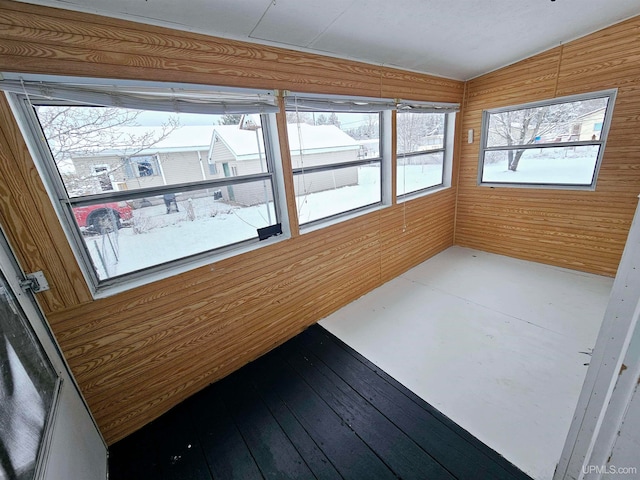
(194, 153)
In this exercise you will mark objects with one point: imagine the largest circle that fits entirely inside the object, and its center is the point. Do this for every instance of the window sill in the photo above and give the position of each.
(539, 186)
(182, 266)
(422, 193)
(340, 218)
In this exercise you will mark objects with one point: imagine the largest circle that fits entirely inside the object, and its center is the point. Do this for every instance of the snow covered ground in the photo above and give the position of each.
(315, 206)
(416, 177)
(156, 237)
(538, 166)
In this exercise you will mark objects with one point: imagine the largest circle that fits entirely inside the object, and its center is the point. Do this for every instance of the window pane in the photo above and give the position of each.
(324, 138)
(560, 122)
(106, 149)
(417, 132)
(551, 165)
(417, 172)
(331, 192)
(135, 234)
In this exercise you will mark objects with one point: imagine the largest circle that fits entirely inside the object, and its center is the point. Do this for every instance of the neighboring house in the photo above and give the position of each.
(236, 151)
(588, 126)
(180, 157)
(194, 153)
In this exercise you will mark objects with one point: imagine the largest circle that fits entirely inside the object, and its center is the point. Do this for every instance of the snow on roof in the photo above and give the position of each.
(185, 137)
(182, 139)
(314, 139)
(241, 143)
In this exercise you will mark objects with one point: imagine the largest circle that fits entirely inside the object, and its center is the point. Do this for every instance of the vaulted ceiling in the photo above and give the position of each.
(459, 39)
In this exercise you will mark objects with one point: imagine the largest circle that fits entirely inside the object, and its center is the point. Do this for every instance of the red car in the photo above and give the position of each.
(104, 217)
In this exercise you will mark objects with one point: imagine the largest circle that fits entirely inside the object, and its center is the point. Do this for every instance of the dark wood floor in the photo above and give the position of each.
(312, 408)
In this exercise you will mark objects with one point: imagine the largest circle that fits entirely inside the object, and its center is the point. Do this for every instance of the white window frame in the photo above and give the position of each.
(449, 111)
(320, 103)
(21, 106)
(601, 142)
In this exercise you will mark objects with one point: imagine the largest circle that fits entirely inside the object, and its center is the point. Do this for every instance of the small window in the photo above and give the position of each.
(101, 174)
(144, 166)
(336, 156)
(420, 151)
(129, 182)
(557, 143)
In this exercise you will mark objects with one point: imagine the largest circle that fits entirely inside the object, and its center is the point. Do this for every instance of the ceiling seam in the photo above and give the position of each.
(313, 41)
(271, 3)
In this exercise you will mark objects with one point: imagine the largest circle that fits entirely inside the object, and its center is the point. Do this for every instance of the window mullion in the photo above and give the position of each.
(545, 145)
(335, 166)
(184, 187)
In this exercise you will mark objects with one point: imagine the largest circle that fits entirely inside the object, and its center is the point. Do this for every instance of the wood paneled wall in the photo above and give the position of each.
(582, 230)
(138, 353)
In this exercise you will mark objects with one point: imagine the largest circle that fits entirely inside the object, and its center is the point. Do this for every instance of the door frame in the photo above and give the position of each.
(612, 374)
(33, 314)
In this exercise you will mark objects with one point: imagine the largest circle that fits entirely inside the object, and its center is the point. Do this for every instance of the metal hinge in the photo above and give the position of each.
(35, 282)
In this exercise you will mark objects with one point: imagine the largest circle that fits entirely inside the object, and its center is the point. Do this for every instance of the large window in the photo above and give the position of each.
(140, 186)
(336, 150)
(558, 143)
(421, 152)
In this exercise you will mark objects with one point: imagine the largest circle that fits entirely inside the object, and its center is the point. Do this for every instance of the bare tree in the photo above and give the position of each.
(531, 125)
(520, 127)
(368, 129)
(300, 117)
(73, 131)
(414, 128)
(331, 119)
(230, 119)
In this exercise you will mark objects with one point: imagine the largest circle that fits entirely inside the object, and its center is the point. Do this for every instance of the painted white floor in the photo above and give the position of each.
(496, 344)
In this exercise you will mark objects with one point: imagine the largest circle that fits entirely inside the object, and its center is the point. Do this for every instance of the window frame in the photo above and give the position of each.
(319, 103)
(600, 142)
(21, 105)
(137, 161)
(447, 157)
(340, 166)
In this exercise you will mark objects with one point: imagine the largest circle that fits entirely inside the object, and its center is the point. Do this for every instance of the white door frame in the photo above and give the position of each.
(73, 447)
(611, 376)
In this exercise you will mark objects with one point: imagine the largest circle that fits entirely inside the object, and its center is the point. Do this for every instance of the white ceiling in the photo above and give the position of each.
(459, 39)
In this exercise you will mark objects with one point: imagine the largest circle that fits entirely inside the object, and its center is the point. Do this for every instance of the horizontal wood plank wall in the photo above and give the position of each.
(138, 353)
(581, 230)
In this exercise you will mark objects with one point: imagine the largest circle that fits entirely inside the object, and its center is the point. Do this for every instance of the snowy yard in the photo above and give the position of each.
(576, 168)
(156, 237)
(417, 177)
